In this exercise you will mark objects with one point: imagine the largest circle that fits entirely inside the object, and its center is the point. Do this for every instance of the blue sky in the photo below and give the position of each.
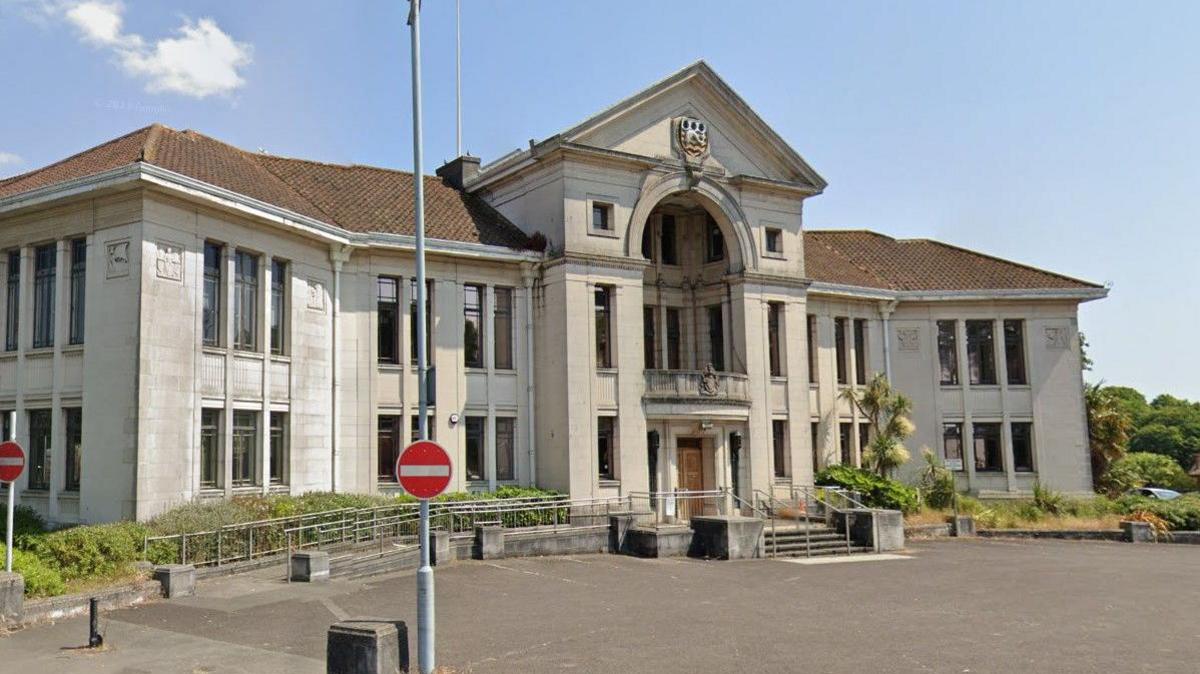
(1060, 134)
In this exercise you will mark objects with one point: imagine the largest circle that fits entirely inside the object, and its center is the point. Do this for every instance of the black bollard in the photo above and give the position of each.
(94, 638)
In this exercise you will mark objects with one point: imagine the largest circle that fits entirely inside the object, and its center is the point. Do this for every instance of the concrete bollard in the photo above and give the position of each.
(12, 597)
(439, 548)
(1138, 532)
(366, 647)
(177, 580)
(309, 566)
(962, 526)
(489, 542)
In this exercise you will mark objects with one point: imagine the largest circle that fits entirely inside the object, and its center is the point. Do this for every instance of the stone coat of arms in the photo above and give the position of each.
(692, 135)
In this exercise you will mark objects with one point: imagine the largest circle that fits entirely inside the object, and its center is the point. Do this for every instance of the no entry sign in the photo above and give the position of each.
(423, 469)
(12, 461)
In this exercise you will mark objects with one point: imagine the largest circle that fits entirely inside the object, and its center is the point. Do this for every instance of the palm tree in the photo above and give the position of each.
(1108, 428)
(888, 412)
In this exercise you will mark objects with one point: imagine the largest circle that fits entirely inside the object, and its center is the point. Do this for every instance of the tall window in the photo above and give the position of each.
(475, 447)
(45, 264)
(952, 444)
(860, 351)
(39, 449)
(670, 254)
(14, 300)
(412, 320)
(387, 312)
(845, 436)
(779, 446)
(279, 308)
(601, 216)
(774, 342)
(213, 252)
(506, 443)
(947, 342)
(603, 311)
(716, 337)
(981, 353)
(245, 301)
(473, 325)
(502, 324)
(279, 448)
(210, 448)
(648, 242)
(1014, 352)
(674, 340)
(415, 431)
(1022, 446)
(604, 446)
(74, 453)
(864, 436)
(650, 337)
(774, 241)
(839, 343)
(814, 430)
(987, 447)
(390, 444)
(714, 241)
(812, 349)
(245, 448)
(78, 290)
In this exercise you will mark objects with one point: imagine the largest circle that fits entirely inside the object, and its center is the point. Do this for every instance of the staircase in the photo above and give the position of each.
(791, 539)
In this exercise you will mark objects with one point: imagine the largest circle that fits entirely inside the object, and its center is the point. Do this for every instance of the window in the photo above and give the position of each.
(1014, 352)
(502, 324)
(14, 300)
(987, 448)
(779, 446)
(845, 431)
(864, 436)
(952, 445)
(650, 337)
(775, 241)
(473, 325)
(279, 308)
(648, 242)
(652, 445)
(812, 349)
(602, 216)
(1022, 446)
(39, 449)
(839, 343)
(947, 341)
(6, 429)
(245, 301)
(210, 449)
(860, 351)
(981, 354)
(716, 337)
(506, 443)
(279, 448)
(390, 444)
(245, 448)
(412, 320)
(674, 354)
(714, 241)
(603, 310)
(415, 431)
(814, 429)
(45, 264)
(669, 253)
(387, 311)
(74, 453)
(774, 345)
(78, 287)
(604, 445)
(475, 447)
(213, 253)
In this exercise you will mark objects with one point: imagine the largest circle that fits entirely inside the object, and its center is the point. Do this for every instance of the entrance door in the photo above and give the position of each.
(691, 475)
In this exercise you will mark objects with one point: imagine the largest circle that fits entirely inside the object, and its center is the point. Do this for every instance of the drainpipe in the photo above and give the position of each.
(885, 310)
(527, 277)
(338, 254)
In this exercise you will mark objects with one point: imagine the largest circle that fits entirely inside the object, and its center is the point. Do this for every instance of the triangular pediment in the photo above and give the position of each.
(733, 139)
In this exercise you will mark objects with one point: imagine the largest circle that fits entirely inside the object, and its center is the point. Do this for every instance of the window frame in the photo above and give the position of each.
(475, 429)
(650, 353)
(506, 448)
(45, 278)
(1030, 465)
(212, 290)
(674, 336)
(602, 325)
(73, 449)
(412, 321)
(78, 293)
(606, 454)
(1015, 362)
(846, 438)
(246, 273)
(716, 335)
(387, 319)
(775, 359)
(773, 241)
(947, 344)
(714, 241)
(280, 436)
(502, 327)
(981, 352)
(811, 330)
(841, 351)
(983, 461)
(668, 231)
(957, 437)
(414, 432)
(12, 327)
(212, 428)
(779, 448)
(245, 432)
(41, 439)
(605, 211)
(473, 313)
(387, 426)
(861, 373)
(279, 307)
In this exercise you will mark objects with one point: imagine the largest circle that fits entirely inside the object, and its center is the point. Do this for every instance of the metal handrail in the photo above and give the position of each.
(815, 494)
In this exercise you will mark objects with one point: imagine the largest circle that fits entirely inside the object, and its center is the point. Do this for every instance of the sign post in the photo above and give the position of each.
(12, 464)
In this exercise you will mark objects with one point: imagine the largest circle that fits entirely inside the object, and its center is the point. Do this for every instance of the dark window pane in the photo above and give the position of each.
(981, 353)
(14, 301)
(1022, 446)
(503, 326)
(603, 310)
(812, 349)
(669, 254)
(716, 337)
(839, 342)
(1014, 352)
(779, 446)
(714, 242)
(387, 310)
(952, 445)
(815, 431)
(987, 447)
(78, 290)
(212, 294)
(774, 241)
(412, 321)
(74, 453)
(864, 436)
(245, 448)
(245, 301)
(506, 443)
(845, 432)
(475, 447)
(279, 275)
(648, 242)
(44, 271)
(604, 445)
(390, 445)
(600, 216)
(473, 325)
(39, 449)
(650, 337)
(674, 354)
(948, 352)
(414, 433)
(210, 449)
(860, 351)
(279, 448)
(774, 344)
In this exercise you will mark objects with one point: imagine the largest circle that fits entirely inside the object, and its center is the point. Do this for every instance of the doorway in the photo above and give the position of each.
(691, 475)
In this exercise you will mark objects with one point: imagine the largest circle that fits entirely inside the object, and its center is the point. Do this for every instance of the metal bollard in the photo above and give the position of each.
(94, 638)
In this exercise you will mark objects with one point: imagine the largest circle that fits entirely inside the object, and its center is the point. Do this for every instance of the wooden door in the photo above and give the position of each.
(691, 475)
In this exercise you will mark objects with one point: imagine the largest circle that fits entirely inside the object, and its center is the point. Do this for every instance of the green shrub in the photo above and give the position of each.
(41, 579)
(1047, 500)
(1143, 469)
(27, 524)
(89, 551)
(1182, 514)
(937, 482)
(877, 492)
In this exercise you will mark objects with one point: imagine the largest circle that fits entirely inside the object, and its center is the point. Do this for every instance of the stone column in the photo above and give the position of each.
(750, 316)
(964, 379)
(629, 359)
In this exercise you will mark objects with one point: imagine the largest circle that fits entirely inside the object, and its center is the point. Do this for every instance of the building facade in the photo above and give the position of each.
(632, 305)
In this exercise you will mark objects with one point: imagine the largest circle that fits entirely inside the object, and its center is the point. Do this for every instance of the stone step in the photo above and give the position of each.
(823, 552)
(816, 535)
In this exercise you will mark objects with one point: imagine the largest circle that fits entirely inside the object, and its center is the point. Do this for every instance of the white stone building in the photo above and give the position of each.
(630, 305)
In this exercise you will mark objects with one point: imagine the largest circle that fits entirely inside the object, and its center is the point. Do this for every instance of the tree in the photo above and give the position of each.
(1108, 428)
(888, 413)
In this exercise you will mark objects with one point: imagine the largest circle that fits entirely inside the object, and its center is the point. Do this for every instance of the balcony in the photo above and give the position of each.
(697, 386)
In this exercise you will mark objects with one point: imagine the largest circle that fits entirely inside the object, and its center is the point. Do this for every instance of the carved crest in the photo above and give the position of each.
(116, 254)
(692, 135)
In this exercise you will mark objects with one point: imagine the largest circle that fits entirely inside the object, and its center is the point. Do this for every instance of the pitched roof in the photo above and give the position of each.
(355, 198)
(872, 260)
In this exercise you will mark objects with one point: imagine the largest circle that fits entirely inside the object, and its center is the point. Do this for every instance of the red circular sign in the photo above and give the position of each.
(423, 469)
(12, 461)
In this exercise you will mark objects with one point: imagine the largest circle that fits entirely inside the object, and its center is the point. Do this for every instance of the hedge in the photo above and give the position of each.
(41, 578)
(877, 492)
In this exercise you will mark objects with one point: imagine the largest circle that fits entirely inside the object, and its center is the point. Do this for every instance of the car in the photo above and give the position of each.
(1157, 493)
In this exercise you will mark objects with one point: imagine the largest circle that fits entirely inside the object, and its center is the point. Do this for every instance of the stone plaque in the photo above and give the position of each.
(116, 259)
(316, 295)
(169, 263)
(909, 339)
(1057, 337)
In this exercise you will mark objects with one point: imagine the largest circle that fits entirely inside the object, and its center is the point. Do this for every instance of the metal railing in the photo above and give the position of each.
(680, 505)
(805, 505)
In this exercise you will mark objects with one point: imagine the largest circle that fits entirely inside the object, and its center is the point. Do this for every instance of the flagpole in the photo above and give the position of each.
(458, 77)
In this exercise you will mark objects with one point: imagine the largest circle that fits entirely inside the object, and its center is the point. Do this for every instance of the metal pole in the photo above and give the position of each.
(12, 493)
(458, 77)
(425, 604)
